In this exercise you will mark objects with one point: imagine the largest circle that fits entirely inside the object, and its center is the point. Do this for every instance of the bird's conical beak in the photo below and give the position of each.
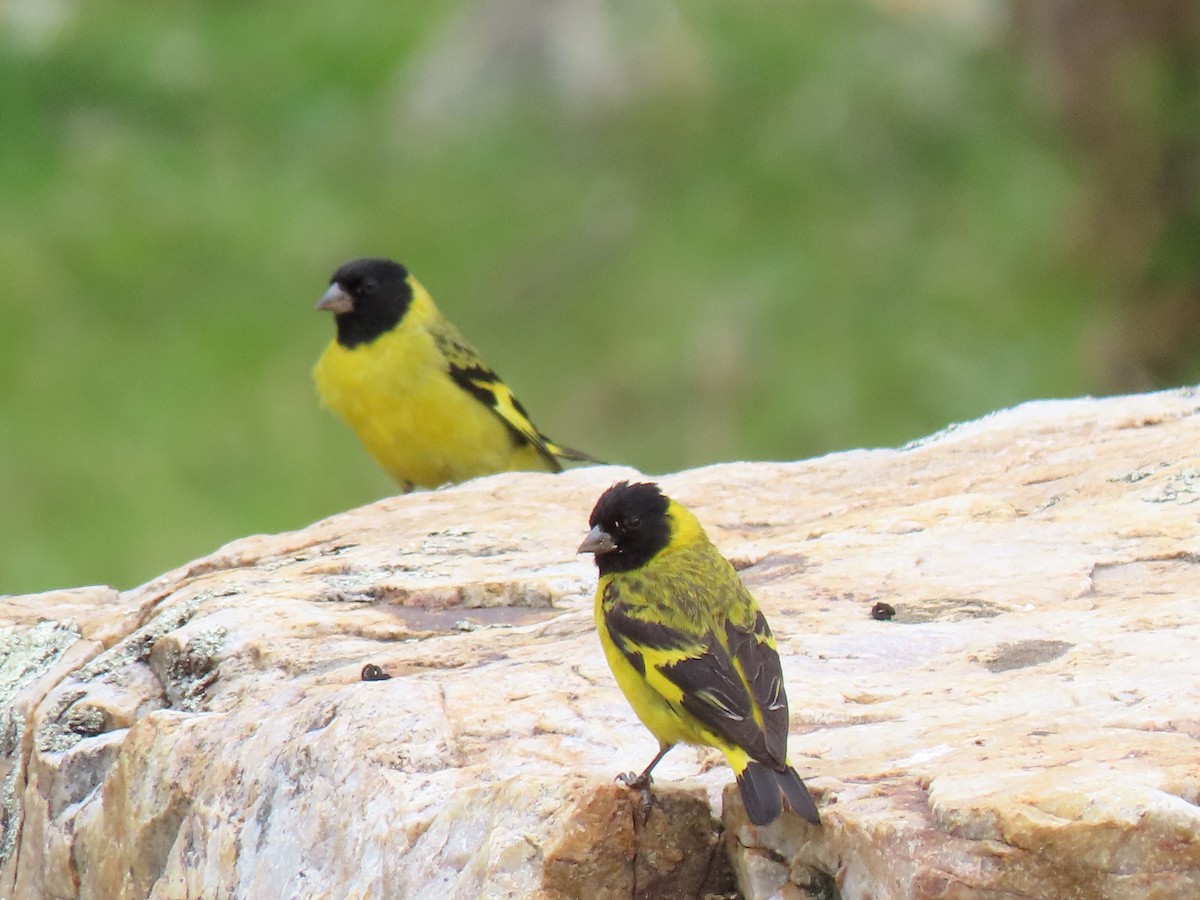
(597, 541)
(336, 300)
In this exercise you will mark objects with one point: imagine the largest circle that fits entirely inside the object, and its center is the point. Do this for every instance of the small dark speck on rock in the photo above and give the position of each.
(881, 611)
(372, 672)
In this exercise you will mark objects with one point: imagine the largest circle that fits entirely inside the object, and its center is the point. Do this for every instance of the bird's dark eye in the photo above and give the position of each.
(632, 523)
(368, 286)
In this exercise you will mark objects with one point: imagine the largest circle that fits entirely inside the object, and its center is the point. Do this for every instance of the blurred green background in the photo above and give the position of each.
(683, 232)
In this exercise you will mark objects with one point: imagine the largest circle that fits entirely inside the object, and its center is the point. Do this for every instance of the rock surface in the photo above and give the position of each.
(1026, 726)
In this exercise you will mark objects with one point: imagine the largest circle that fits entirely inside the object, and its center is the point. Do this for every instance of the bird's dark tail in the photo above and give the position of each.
(570, 454)
(763, 790)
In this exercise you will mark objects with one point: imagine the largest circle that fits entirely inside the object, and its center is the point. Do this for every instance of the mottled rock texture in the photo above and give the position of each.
(1025, 726)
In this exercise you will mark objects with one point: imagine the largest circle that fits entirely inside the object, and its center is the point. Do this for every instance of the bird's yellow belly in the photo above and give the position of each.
(656, 713)
(413, 418)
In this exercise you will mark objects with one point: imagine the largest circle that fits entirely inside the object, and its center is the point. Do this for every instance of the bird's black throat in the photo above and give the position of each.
(381, 294)
(626, 560)
(355, 328)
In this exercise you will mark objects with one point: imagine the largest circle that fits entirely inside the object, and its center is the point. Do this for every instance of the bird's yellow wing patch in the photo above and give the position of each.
(470, 372)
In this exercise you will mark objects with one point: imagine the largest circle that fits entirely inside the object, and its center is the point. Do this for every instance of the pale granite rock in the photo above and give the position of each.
(1026, 726)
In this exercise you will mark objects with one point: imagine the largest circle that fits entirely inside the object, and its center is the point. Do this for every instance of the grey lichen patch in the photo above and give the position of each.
(1183, 488)
(375, 584)
(1023, 654)
(275, 563)
(447, 539)
(62, 728)
(1133, 476)
(353, 587)
(26, 654)
(10, 813)
(187, 670)
(451, 542)
(137, 647)
(351, 596)
(947, 609)
(86, 720)
(530, 595)
(67, 724)
(477, 595)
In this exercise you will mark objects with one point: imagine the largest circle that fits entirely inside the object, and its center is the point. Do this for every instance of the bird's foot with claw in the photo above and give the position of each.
(641, 784)
(634, 781)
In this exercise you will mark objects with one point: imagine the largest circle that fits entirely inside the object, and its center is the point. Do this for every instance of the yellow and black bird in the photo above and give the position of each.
(415, 392)
(689, 646)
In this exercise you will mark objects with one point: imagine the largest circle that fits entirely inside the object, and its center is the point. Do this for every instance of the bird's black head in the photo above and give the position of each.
(630, 527)
(367, 298)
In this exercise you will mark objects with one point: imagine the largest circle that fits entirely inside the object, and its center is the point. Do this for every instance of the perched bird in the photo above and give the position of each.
(415, 392)
(689, 646)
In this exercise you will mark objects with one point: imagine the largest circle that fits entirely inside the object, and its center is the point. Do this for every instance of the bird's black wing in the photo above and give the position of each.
(754, 650)
(717, 694)
(702, 667)
(472, 374)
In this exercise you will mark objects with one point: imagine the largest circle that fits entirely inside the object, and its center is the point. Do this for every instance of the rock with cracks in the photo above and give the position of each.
(1024, 726)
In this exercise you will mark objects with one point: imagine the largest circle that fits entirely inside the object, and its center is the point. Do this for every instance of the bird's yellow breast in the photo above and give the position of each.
(397, 395)
(663, 719)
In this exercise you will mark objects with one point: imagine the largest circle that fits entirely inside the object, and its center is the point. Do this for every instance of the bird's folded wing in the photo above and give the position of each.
(473, 375)
(731, 682)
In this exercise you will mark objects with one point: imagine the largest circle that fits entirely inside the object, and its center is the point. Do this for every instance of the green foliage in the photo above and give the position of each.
(796, 228)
